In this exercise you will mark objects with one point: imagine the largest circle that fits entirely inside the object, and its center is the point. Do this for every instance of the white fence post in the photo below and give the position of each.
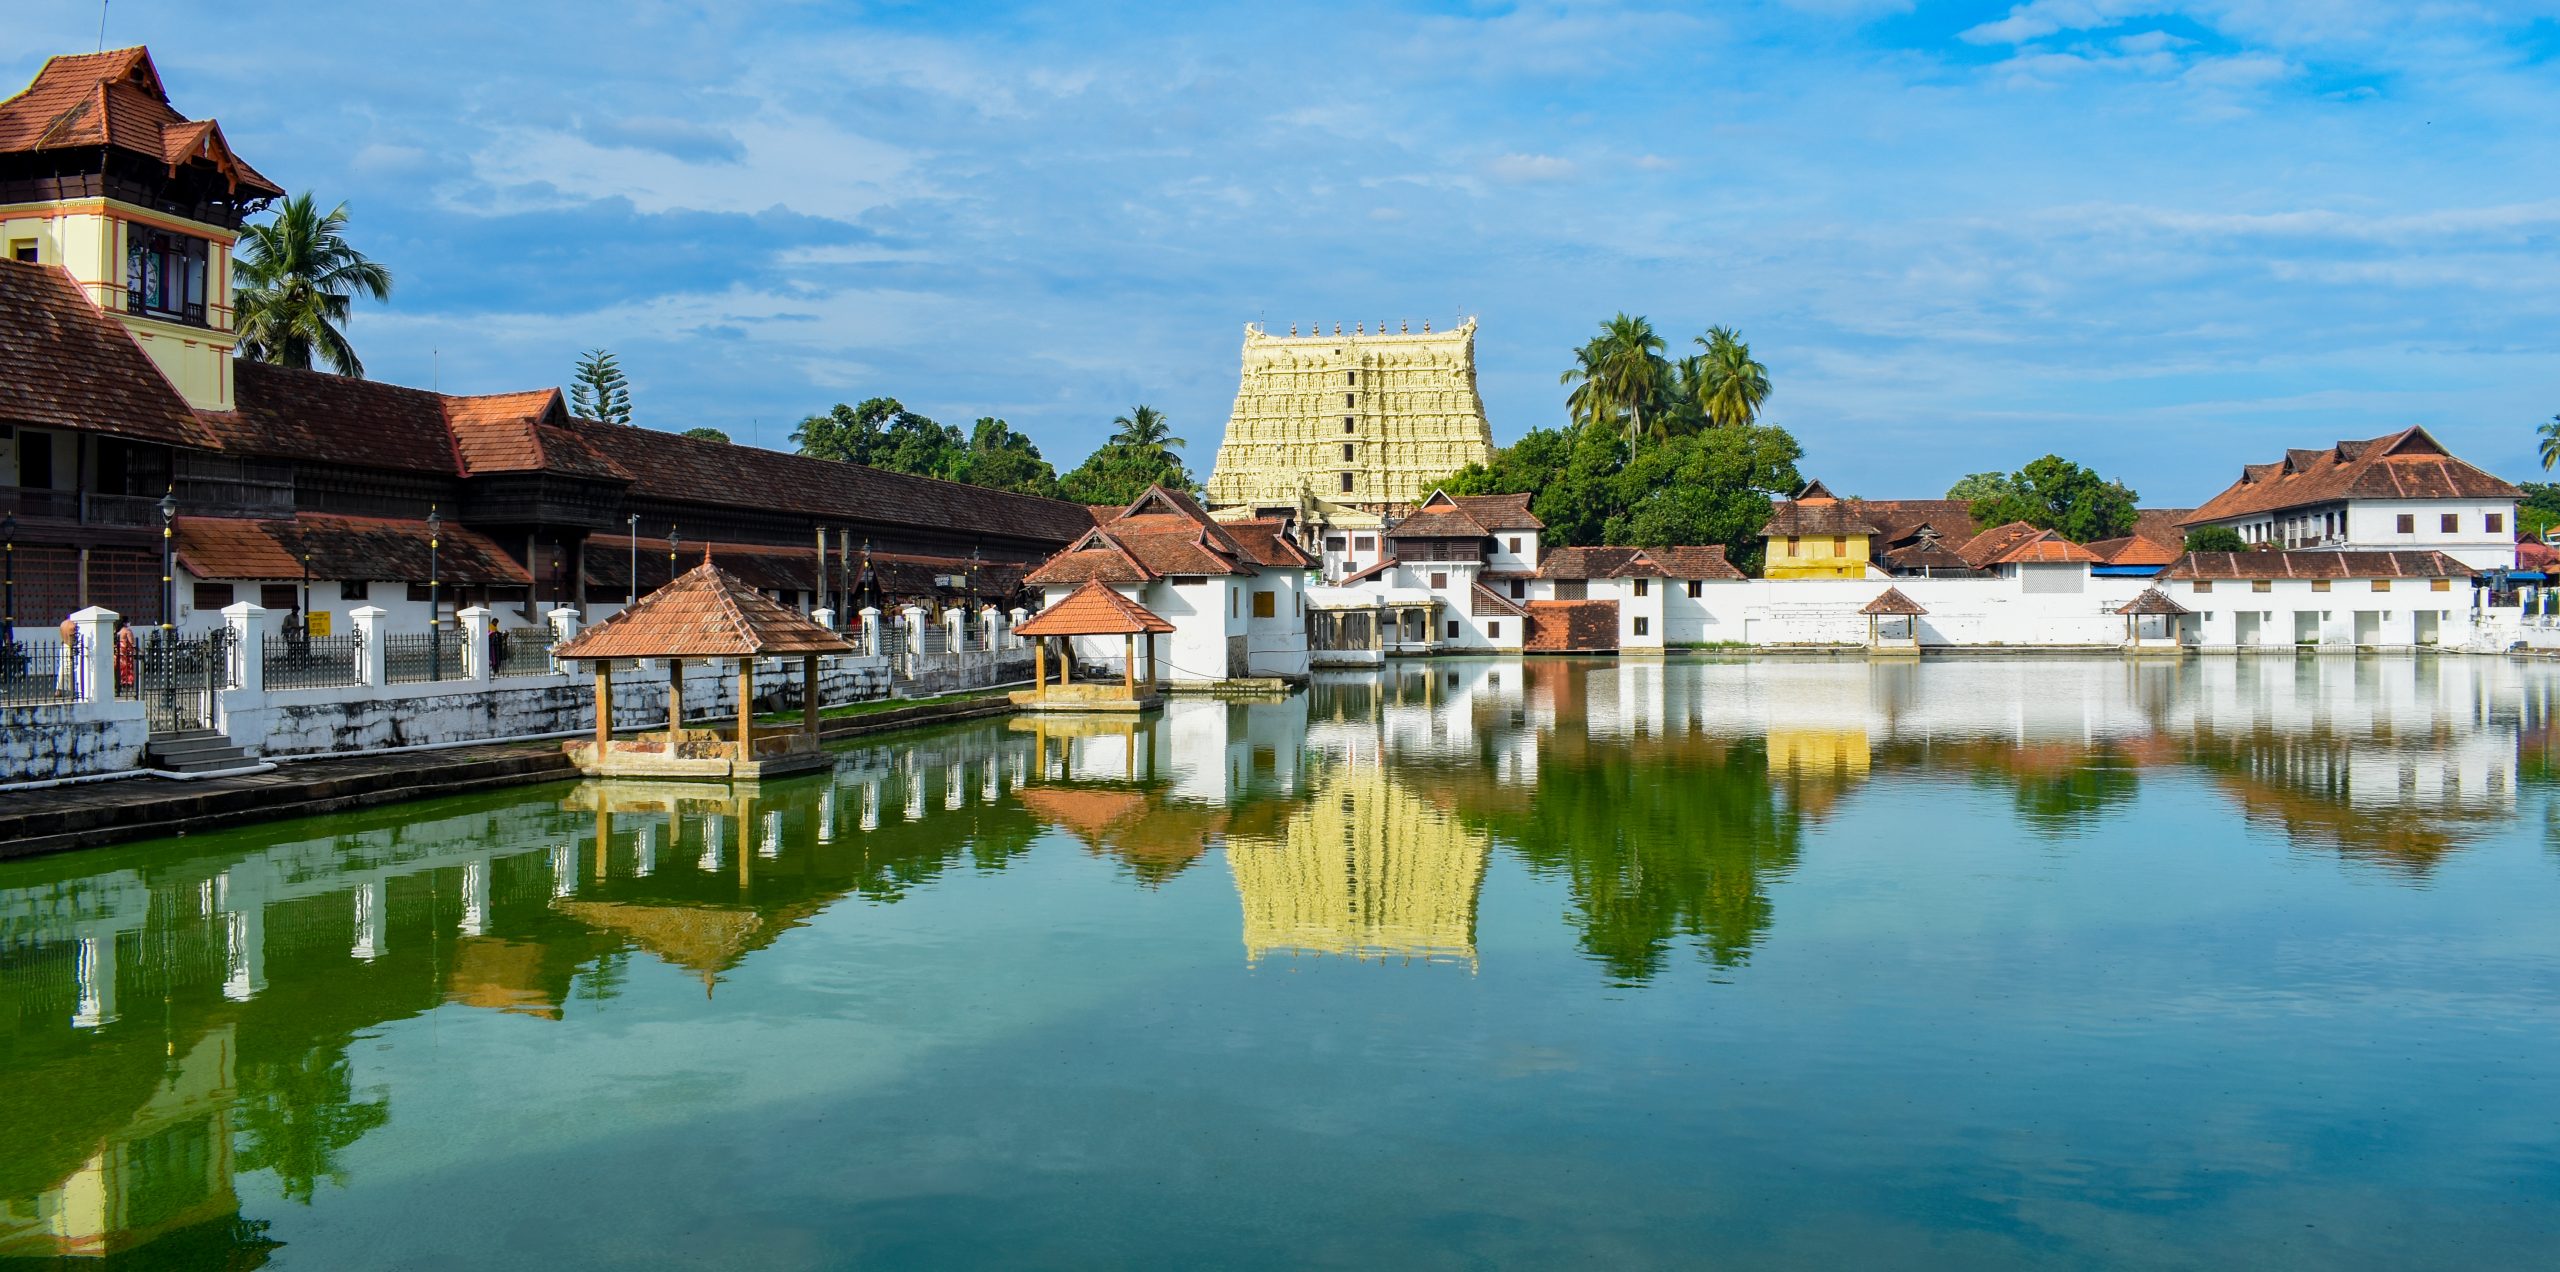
(1020, 616)
(870, 619)
(955, 629)
(248, 645)
(993, 620)
(913, 616)
(372, 660)
(564, 627)
(96, 677)
(474, 625)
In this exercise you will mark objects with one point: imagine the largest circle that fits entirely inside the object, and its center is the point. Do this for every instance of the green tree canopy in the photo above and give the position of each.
(706, 434)
(1590, 486)
(597, 390)
(1973, 486)
(1618, 377)
(2540, 511)
(1117, 473)
(294, 279)
(2055, 494)
(2549, 433)
(883, 433)
(1003, 459)
(1729, 383)
(2215, 539)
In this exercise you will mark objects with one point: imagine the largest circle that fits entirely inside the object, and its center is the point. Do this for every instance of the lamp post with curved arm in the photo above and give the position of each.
(435, 591)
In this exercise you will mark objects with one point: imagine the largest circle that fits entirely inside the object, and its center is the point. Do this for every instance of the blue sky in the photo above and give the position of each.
(2162, 238)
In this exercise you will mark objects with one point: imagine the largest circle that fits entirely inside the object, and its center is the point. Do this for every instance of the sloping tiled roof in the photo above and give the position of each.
(1898, 519)
(1438, 523)
(2153, 601)
(333, 419)
(669, 466)
(2160, 525)
(1891, 602)
(706, 613)
(66, 364)
(2409, 464)
(1499, 512)
(1694, 562)
(2398, 564)
(2019, 543)
(1094, 610)
(1484, 602)
(1266, 542)
(770, 567)
(522, 432)
(1932, 556)
(2134, 549)
(114, 99)
(1599, 563)
(1796, 518)
(1163, 532)
(342, 548)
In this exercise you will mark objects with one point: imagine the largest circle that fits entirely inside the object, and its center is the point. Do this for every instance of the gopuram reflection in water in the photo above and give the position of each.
(205, 1039)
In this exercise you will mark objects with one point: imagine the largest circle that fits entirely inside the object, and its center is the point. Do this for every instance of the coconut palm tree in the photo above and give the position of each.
(295, 277)
(2550, 434)
(1731, 384)
(1144, 429)
(1619, 374)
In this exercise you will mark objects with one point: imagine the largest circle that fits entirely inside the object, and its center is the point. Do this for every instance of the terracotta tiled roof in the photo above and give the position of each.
(1484, 602)
(1896, 520)
(1798, 519)
(771, 567)
(1442, 523)
(706, 613)
(1267, 542)
(2134, 549)
(2153, 601)
(1094, 610)
(1927, 557)
(2409, 464)
(522, 432)
(333, 419)
(1599, 563)
(66, 364)
(2160, 525)
(1378, 570)
(2402, 564)
(114, 99)
(2045, 548)
(1694, 562)
(1094, 559)
(1164, 532)
(1891, 602)
(1558, 627)
(1983, 549)
(2536, 557)
(342, 548)
(1499, 512)
(675, 468)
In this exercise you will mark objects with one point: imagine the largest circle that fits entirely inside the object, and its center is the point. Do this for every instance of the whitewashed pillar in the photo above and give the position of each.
(97, 666)
(1020, 616)
(474, 625)
(564, 626)
(914, 617)
(993, 619)
(823, 617)
(248, 626)
(955, 629)
(870, 618)
(371, 662)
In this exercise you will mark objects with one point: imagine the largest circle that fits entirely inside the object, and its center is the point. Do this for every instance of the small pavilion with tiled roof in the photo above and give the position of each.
(2163, 636)
(1093, 609)
(1891, 603)
(706, 613)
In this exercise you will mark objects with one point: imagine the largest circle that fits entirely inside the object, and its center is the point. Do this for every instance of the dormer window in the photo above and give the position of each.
(164, 274)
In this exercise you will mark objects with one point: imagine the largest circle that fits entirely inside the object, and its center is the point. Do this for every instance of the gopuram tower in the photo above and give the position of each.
(1370, 421)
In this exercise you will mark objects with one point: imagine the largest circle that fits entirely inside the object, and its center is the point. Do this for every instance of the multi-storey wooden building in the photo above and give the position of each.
(130, 433)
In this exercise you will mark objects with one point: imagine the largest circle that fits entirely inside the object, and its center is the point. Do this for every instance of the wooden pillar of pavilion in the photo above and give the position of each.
(675, 695)
(747, 708)
(809, 694)
(1066, 661)
(1040, 667)
(1129, 665)
(604, 707)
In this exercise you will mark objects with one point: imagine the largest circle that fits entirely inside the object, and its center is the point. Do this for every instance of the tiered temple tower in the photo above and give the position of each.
(1369, 420)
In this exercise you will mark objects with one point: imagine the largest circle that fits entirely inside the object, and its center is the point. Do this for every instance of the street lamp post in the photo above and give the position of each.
(435, 590)
(634, 598)
(674, 540)
(168, 561)
(306, 587)
(8, 578)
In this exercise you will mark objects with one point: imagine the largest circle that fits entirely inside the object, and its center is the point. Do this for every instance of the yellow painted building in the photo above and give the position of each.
(1817, 536)
(1374, 420)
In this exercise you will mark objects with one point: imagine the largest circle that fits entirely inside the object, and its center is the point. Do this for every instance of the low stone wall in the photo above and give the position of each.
(931, 675)
(71, 739)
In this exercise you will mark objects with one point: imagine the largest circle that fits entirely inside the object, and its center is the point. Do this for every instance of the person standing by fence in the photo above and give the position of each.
(128, 657)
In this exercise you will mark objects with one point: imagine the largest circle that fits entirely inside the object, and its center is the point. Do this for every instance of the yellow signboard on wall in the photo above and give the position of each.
(319, 623)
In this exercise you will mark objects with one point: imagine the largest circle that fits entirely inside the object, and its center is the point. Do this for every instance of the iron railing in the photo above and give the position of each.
(520, 651)
(410, 658)
(294, 661)
(178, 679)
(40, 672)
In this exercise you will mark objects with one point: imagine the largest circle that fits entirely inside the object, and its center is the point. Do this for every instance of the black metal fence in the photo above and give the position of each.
(40, 672)
(176, 678)
(293, 661)
(520, 651)
(411, 657)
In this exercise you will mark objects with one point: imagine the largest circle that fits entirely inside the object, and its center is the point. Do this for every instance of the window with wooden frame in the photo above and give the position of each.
(2439, 585)
(164, 274)
(1644, 587)
(354, 590)
(212, 596)
(1644, 626)
(1696, 589)
(1266, 605)
(2204, 585)
(2382, 585)
(2449, 522)
(2262, 585)
(2494, 523)
(2408, 523)
(1493, 629)
(1439, 579)
(2319, 585)
(1453, 629)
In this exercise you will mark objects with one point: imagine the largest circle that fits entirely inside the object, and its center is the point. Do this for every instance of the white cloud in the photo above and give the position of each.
(1520, 169)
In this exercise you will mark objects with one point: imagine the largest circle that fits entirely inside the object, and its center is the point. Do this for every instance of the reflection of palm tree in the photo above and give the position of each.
(297, 1114)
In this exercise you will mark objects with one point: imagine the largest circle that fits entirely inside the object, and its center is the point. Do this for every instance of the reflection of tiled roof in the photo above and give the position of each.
(1600, 563)
(1891, 602)
(342, 548)
(2409, 464)
(707, 613)
(2403, 564)
(1094, 610)
(114, 99)
(69, 365)
(1499, 512)
(1797, 519)
(2153, 601)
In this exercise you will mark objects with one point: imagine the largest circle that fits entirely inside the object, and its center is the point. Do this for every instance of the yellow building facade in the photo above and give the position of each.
(1372, 420)
(1816, 536)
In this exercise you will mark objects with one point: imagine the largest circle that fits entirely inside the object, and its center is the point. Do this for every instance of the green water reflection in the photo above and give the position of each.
(1770, 964)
